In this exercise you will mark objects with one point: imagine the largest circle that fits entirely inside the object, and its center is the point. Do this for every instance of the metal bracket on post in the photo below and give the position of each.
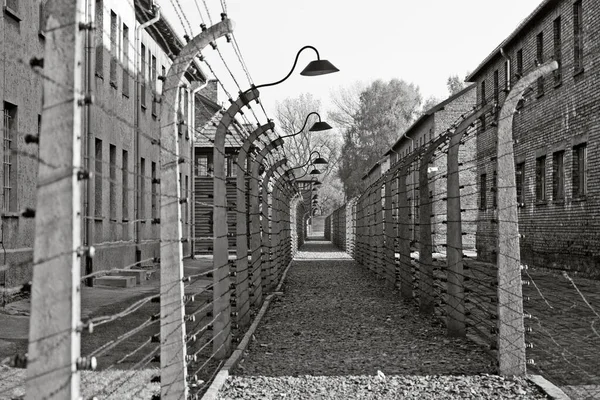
(54, 338)
(172, 326)
(511, 331)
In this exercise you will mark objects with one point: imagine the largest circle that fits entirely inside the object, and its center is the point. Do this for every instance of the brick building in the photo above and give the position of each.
(121, 200)
(556, 136)
(433, 123)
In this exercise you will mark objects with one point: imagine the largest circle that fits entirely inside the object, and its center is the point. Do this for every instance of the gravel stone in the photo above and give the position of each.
(372, 387)
(339, 332)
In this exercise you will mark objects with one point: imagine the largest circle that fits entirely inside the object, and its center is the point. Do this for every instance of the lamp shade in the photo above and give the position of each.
(315, 172)
(320, 126)
(319, 67)
(320, 160)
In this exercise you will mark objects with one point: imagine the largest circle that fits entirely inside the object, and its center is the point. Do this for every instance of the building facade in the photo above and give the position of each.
(121, 200)
(556, 134)
(431, 125)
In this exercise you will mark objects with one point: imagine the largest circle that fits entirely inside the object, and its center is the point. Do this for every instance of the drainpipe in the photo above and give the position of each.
(508, 68)
(192, 201)
(88, 142)
(137, 105)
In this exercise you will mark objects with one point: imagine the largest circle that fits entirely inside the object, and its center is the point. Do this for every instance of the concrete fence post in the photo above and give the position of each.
(511, 331)
(455, 308)
(242, 279)
(54, 337)
(221, 281)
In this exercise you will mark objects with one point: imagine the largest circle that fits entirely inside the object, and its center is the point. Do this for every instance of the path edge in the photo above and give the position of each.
(223, 374)
(550, 389)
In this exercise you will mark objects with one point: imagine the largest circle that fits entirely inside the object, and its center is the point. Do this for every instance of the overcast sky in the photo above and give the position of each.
(419, 41)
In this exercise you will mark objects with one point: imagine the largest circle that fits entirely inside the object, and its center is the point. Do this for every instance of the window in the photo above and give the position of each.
(125, 185)
(153, 72)
(540, 59)
(231, 165)
(142, 75)
(580, 170)
(112, 192)
(483, 102)
(99, 37)
(125, 60)
(577, 37)
(113, 48)
(142, 194)
(98, 179)
(202, 169)
(558, 176)
(496, 87)
(10, 157)
(495, 189)
(540, 179)
(483, 191)
(520, 183)
(507, 65)
(558, 51)
(519, 71)
(483, 95)
(154, 198)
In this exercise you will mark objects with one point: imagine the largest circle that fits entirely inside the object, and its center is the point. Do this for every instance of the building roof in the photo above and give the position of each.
(525, 23)
(166, 37)
(427, 114)
(204, 136)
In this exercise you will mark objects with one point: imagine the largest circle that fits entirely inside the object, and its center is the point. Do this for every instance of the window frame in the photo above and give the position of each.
(520, 183)
(557, 32)
(540, 179)
(580, 180)
(558, 176)
(10, 161)
(578, 45)
(483, 191)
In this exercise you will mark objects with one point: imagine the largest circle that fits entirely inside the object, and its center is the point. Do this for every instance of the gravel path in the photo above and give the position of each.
(339, 332)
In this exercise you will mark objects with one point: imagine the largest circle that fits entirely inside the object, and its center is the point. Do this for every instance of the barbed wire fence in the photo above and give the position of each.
(200, 311)
(431, 227)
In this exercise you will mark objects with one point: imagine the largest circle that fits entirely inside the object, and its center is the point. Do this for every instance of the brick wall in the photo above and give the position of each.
(558, 232)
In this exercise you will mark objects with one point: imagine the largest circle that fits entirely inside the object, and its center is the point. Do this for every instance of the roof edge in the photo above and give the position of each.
(496, 52)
